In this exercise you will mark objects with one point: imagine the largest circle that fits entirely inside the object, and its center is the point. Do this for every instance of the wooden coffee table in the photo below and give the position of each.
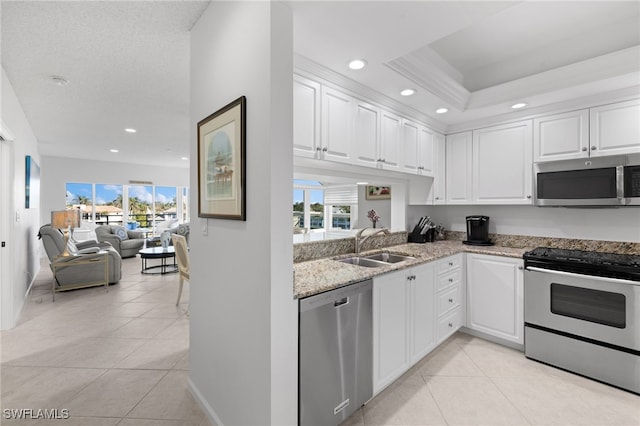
(159, 253)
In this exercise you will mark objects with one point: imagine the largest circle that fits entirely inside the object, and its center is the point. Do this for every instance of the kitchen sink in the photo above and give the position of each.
(363, 261)
(389, 257)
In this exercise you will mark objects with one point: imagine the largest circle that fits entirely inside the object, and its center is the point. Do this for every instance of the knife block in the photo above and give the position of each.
(416, 237)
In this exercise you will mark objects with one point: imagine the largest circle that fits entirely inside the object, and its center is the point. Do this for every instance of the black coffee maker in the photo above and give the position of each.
(478, 231)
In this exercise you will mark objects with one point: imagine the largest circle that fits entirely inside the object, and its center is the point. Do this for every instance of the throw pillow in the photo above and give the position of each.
(120, 232)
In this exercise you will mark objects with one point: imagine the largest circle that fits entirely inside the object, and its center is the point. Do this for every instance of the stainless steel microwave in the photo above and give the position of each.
(604, 181)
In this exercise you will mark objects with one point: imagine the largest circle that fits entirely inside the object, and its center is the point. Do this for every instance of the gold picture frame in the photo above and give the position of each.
(221, 163)
(378, 192)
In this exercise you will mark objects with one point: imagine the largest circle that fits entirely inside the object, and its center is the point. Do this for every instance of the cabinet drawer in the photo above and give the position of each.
(448, 300)
(444, 281)
(449, 324)
(448, 264)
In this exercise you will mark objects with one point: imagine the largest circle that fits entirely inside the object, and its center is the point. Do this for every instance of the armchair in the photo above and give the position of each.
(126, 242)
(77, 270)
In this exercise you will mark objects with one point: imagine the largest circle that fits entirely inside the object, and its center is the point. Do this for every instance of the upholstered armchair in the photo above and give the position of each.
(78, 270)
(182, 230)
(127, 242)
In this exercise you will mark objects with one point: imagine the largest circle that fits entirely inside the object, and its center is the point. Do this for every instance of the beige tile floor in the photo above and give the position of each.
(470, 381)
(121, 358)
(110, 358)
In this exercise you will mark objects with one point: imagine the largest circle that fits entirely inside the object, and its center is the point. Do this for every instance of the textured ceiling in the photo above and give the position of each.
(127, 64)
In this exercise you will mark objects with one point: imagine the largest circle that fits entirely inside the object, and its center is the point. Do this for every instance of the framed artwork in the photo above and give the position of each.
(32, 184)
(221, 163)
(378, 192)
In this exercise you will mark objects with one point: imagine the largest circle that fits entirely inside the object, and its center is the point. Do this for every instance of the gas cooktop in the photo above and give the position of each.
(613, 265)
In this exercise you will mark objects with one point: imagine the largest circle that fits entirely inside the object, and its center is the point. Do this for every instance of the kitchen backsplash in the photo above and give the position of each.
(321, 249)
(522, 241)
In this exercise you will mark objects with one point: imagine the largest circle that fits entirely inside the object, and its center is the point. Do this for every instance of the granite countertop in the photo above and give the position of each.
(317, 276)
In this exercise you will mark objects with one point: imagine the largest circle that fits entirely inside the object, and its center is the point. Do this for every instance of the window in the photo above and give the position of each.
(308, 205)
(327, 208)
(118, 204)
(80, 196)
(108, 205)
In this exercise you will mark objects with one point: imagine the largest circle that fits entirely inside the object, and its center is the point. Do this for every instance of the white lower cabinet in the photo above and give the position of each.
(449, 296)
(495, 296)
(403, 322)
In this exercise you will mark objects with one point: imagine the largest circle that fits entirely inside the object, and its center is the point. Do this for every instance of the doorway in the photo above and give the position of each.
(6, 234)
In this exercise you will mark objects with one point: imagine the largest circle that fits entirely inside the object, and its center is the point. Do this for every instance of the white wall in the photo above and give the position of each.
(243, 344)
(22, 242)
(617, 224)
(57, 171)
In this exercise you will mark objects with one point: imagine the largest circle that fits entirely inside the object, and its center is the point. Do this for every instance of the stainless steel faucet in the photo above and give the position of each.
(360, 239)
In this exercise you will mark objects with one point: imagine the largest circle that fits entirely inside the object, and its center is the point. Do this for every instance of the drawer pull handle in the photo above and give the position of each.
(450, 263)
(450, 280)
(450, 325)
(450, 300)
(340, 302)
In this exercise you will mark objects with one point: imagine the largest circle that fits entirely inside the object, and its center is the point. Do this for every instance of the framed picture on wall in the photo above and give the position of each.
(221, 163)
(378, 192)
(32, 183)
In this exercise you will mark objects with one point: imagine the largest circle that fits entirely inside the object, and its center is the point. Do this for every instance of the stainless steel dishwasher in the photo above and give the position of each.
(335, 354)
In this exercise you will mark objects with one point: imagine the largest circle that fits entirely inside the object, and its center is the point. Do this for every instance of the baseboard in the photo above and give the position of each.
(493, 339)
(204, 405)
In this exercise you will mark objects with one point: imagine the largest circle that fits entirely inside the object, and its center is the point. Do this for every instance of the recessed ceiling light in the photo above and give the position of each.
(114, 150)
(130, 130)
(60, 81)
(518, 105)
(362, 183)
(441, 110)
(407, 92)
(357, 64)
(184, 158)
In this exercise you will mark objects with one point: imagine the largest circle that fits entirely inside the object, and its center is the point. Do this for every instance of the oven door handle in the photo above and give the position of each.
(583, 276)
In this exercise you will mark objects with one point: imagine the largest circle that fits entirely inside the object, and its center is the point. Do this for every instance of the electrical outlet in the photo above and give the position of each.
(205, 227)
(17, 216)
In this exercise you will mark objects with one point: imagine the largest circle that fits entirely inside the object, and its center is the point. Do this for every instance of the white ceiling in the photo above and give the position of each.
(127, 62)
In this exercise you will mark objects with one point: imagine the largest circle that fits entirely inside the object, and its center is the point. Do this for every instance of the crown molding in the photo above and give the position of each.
(306, 67)
(429, 77)
(620, 95)
(603, 67)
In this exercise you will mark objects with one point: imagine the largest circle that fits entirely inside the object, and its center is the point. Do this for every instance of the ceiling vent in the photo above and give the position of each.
(140, 182)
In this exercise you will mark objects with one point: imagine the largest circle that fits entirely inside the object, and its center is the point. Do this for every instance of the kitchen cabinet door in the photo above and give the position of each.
(410, 135)
(367, 134)
(425, 151)
(423, 312)
(502, 164)
(561, 136)
(306, 117)
(458, 170)
(337, 119)
(390, 328)
(390, 141)
(440, 172)
(495, 296)
(615, 129)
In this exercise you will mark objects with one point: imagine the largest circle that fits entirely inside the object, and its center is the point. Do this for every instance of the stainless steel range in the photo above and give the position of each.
(582, 313)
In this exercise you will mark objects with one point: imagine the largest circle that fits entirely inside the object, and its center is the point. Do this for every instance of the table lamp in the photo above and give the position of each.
(65, 220)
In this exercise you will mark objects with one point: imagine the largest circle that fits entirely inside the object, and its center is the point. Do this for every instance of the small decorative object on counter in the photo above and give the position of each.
(373, 217)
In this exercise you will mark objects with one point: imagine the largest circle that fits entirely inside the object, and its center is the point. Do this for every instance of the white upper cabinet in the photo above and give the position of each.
(459, 161)
(306, 117)
(410, 134)
(426, 143)
(612, 129)
(561, 136)
(337, 119)
(366, 134)
(502, 163)
(390, 126)
(615, 129)
(439, 195)
(417, 149)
